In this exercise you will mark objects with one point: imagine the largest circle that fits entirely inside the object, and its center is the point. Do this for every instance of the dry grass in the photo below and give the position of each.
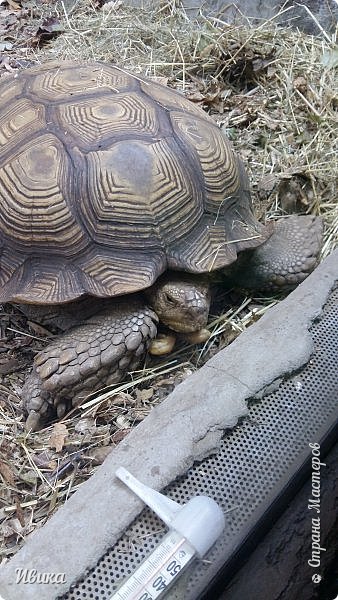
(275, 94)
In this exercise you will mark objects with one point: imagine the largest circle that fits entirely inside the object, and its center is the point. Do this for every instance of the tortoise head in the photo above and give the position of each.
(181, 301)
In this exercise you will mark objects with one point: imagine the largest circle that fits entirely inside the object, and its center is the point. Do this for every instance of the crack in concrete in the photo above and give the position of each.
(236, 379)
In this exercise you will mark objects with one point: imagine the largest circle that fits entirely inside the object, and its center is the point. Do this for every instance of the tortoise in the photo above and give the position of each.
(119, 196)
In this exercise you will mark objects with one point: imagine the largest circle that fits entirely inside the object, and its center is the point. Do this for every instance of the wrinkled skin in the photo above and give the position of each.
(181, 302)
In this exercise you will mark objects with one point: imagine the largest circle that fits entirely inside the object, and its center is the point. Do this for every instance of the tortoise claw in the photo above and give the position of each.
(33, 421)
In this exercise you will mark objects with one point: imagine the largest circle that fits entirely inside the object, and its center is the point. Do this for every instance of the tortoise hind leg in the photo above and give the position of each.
(285, 259)
(92, 355)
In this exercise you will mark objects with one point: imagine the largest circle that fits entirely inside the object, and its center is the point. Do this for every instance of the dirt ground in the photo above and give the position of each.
(274, 92)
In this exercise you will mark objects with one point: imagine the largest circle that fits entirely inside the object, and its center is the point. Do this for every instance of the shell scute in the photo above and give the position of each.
(59, 82)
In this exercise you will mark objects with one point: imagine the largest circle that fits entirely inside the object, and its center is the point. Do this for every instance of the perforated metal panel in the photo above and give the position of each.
(256, 461)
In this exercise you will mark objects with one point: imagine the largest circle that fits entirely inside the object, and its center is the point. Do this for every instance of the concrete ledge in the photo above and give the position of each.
(187, 426)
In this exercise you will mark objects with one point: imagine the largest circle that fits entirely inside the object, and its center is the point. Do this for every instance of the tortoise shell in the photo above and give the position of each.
(107, 180)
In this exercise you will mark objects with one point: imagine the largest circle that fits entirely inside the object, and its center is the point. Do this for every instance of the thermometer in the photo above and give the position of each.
(193, 529)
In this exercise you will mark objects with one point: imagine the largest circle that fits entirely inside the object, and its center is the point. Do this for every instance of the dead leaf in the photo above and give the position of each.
(144, 395)
(7, 473)
(19, 512)
(5, 46)
(207, 50)
(163, 382)
(123, 399)
(139, 414)
(86, 425)
(29, 477)
(5, 62)
(12, 526)
(118, 436)
(300, 83)
(98, 455)
(14, 5)
(267, 183)
(196, 96)
(9, 365)
(259, 64)
(330, 58)
(39, 330)
(58, 436)
(50, 26)
(123, 422)
(161, 80)
(45, 460)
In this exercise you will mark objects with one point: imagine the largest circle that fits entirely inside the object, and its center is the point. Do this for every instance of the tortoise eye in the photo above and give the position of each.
(170, 300)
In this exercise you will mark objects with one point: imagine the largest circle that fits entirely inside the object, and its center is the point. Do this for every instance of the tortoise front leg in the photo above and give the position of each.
(284, 260)
(86, 358)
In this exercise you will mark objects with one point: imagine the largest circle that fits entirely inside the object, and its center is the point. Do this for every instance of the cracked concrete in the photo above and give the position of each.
(187, 426)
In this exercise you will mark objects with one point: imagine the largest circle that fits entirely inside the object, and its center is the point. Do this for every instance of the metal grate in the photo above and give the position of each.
(256, 460)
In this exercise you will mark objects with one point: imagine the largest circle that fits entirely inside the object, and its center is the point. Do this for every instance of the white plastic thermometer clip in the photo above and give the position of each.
(200, 521)
(193, 529)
